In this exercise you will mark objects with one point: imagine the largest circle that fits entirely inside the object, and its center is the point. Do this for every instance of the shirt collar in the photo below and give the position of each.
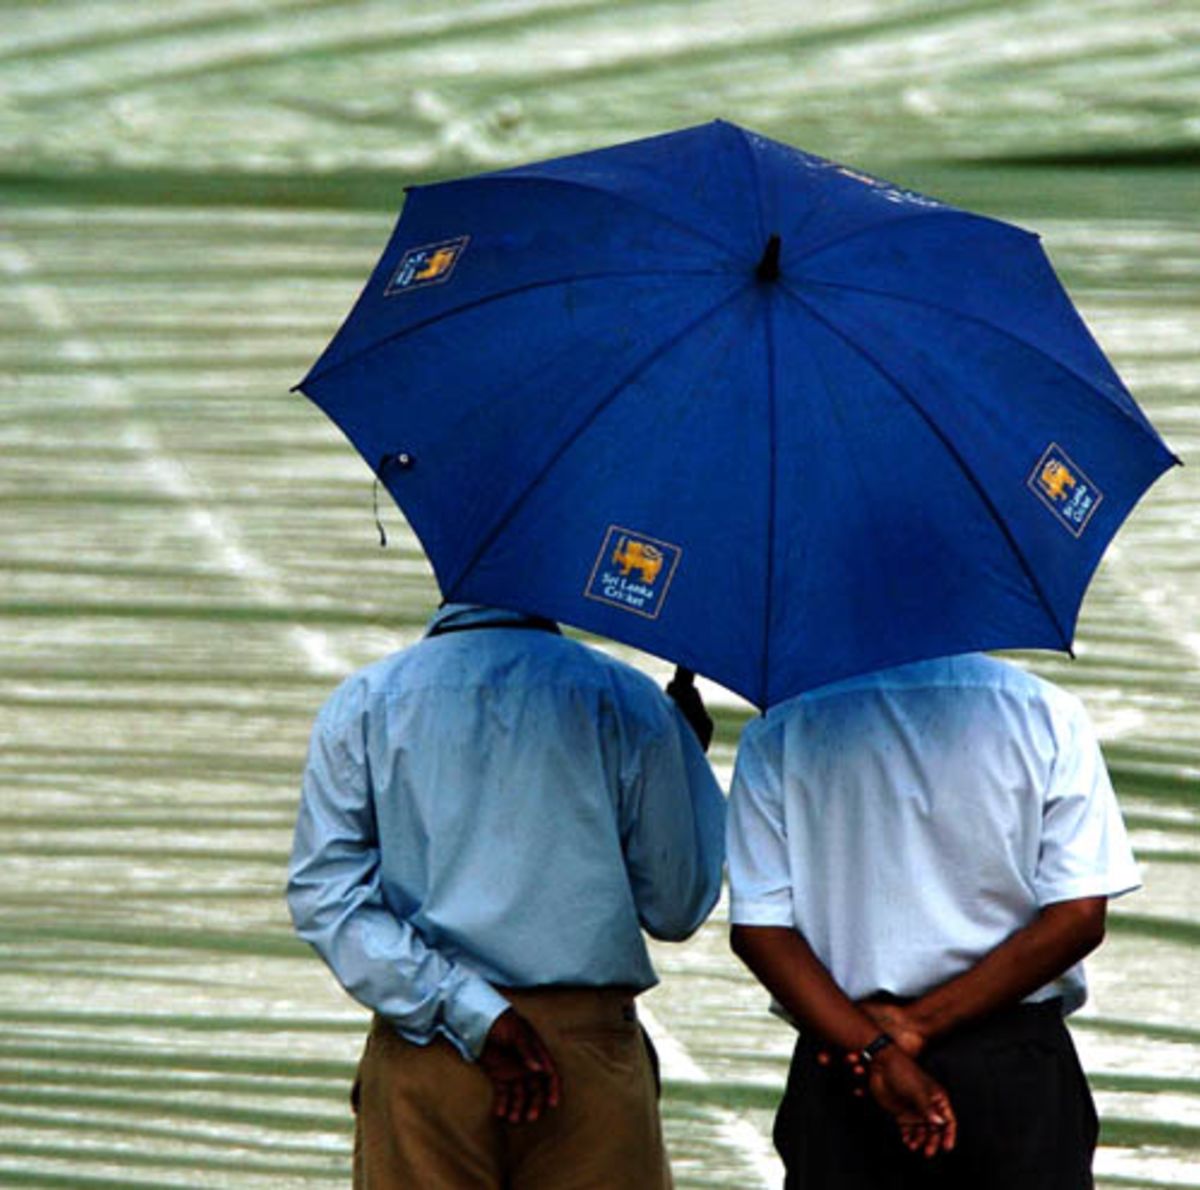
(469, 615)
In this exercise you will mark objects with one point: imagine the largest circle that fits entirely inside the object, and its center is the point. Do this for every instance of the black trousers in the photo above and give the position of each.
(1026, 1120)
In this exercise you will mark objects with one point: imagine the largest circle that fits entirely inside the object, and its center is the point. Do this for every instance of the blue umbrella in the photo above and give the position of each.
(739, 407)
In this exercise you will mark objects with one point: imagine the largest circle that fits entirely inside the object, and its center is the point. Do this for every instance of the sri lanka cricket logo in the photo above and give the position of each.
(430, 264)
(1060, 484)
(633, 572)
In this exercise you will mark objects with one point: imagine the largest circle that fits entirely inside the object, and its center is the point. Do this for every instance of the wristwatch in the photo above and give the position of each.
(871, 1049)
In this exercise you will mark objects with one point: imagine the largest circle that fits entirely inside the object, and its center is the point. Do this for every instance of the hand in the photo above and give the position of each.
(897, 1021)
(681, 690)
(918, 1103)
(523, 1074)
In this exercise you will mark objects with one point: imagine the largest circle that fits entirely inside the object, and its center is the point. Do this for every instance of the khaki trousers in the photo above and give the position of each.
(424, 1117)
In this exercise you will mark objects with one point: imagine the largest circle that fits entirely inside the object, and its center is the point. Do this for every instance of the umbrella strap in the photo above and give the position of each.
(378, 522)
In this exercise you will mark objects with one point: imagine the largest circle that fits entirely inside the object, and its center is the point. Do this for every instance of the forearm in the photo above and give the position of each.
(337, 905)
(386, 966)
(380, 959)
(788, 968)
(1057, 938)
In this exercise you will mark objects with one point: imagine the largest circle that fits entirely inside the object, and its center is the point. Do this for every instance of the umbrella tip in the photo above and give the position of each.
(768, 267)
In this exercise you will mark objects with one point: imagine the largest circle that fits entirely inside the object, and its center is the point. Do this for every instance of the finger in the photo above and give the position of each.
(545, 1065)
(950, 1136)
(529, 1049)
(516, 1101)
(536, 1100)
(545, 1058)
(938, 1111)
(824, 1057)
(925, 1138)
(500, 1101)
(933, 1142)
(932, 1134)
(554, 1086)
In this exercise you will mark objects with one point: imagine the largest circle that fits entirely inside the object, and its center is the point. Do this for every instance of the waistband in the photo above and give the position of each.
(1052, 1006)
(1022, 1016)
(571, 1006)
(1042, 1019)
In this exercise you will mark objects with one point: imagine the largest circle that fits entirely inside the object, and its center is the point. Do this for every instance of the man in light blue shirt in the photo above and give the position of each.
(489, 820)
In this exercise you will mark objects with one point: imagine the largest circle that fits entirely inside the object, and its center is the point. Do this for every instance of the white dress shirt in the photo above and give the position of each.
(907, 822)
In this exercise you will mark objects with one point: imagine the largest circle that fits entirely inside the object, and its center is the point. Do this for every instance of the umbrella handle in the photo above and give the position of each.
(681, 689)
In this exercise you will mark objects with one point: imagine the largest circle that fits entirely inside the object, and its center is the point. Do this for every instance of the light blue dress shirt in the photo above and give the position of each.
(498, 807)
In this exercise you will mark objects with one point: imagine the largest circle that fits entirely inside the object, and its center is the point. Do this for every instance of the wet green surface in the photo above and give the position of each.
(192, 195)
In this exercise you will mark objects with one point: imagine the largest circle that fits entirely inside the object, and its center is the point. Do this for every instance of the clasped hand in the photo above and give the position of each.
(917, 1101)
(524, 1078)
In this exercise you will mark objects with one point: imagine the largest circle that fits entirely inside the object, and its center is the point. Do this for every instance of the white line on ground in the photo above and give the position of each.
(223, 539)
(735, 1132)
(170, 476)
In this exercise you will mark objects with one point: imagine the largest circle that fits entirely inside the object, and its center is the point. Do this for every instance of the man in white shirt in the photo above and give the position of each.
(919, 859)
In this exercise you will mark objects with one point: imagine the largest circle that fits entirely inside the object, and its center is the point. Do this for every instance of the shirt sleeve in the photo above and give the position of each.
(337, 906)
(673, 823)
(1084, 851)
(760, 885)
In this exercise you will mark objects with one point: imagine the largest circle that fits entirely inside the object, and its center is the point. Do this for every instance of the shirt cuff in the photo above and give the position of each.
(470, 1011)
(1109, 885)
(744, 912)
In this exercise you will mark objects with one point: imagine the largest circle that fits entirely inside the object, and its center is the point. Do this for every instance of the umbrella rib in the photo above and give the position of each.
(962, 316)
(610, 194)
(637, 370)
(954, 454)
(938, 212)
(744, 140)
(773, 474)
(772, 496)
(495, 297)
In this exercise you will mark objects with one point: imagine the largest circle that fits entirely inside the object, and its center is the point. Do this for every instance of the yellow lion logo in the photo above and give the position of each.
(1055, 479)
(640, 556)
(436, 265)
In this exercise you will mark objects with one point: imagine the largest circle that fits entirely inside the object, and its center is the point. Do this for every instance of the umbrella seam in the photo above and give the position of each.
(772, 498)
(661, 216)
(907, 217)
(744, 138)
(793, 233)
(396, 336)
(621, 386)
(999, 330)
(931, 422)
(772, 419)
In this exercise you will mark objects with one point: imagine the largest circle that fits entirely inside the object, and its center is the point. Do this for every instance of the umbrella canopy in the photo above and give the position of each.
(740, 407)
